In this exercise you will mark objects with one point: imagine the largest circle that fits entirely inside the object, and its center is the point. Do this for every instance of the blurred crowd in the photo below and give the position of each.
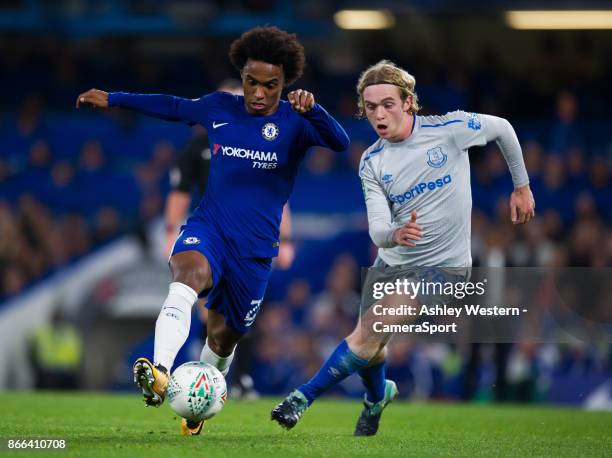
(479, 78)
(56, 206)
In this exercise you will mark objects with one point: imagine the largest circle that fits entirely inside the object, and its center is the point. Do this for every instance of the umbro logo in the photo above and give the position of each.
(215, 125)
(334, 372)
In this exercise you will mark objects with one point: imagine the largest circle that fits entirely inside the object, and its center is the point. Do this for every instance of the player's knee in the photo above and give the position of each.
(194, 273)
(220, 346)
(197, 278)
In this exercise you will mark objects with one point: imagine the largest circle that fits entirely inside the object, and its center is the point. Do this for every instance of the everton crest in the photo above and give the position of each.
(436, 157)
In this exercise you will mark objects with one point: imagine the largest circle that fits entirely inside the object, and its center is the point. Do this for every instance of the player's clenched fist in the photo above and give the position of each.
(301, 100)
(409, 232)
(94, 97)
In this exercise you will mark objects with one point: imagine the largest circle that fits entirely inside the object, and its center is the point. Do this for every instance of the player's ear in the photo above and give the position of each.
(407, 104)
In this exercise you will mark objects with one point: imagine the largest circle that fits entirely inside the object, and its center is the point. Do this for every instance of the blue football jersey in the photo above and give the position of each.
(254, 159)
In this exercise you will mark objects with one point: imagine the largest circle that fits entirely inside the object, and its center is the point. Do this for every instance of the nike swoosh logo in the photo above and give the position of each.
(215, 125)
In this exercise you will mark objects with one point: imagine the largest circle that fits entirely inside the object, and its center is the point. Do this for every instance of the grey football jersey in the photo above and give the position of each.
(428, 172)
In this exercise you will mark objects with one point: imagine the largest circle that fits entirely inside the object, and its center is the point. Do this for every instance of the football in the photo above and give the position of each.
(196, 391)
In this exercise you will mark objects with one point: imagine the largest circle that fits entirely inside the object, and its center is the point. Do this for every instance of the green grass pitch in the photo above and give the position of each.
(107, 425)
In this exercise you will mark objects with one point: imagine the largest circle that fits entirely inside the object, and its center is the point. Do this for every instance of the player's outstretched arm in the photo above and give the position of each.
(522, 204)
(479, 129)
(161, 106)
(326, 131)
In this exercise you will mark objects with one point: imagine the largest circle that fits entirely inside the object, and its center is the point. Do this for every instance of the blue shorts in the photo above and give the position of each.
(239, 284)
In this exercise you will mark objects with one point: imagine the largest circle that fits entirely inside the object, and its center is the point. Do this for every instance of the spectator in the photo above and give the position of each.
(56, 354)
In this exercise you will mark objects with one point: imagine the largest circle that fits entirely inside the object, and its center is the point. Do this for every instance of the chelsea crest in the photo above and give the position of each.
(270, 131)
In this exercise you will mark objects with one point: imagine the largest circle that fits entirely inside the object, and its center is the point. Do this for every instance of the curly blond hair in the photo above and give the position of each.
(386, 72)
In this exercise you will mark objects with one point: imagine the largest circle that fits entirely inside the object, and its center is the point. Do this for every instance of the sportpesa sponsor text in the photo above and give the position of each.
(261, 159)
(419, 189)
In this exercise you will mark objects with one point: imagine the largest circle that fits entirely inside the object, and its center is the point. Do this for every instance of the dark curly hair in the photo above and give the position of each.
(273, 46)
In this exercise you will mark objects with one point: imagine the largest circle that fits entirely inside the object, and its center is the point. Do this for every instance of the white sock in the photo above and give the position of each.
(173, 323)
(210, 357)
